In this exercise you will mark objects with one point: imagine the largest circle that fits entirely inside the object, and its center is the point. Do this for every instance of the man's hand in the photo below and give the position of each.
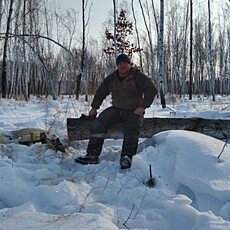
(139, 111)
(93, 112)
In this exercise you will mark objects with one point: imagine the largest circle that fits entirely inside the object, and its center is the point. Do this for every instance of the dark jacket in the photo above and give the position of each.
(135, 90)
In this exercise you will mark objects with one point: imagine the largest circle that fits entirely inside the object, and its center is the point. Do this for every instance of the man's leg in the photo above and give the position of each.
(132, 124)
(99, 128)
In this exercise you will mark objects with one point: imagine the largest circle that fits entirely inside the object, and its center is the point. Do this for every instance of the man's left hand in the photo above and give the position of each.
(139, 111)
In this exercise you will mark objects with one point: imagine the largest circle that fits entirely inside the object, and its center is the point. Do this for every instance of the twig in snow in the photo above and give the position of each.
(138, 178)
(225, 145)
(142, 200)
(83, 205)
(173, 112)
(151, 182)
(129, 217)
(106, 184)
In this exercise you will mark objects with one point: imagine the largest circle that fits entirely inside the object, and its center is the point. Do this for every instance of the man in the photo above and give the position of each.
(132, 92)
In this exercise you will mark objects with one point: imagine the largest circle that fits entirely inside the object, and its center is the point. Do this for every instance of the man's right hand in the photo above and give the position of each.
(93, 112)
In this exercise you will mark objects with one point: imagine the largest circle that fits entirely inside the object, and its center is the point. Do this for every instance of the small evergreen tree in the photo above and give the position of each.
(124, 29)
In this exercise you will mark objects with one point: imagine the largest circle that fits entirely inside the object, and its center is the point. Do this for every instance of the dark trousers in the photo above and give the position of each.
(131, 124)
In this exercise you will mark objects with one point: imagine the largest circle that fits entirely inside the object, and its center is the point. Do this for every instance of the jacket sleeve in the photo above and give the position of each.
(101, 93)
(148, 88)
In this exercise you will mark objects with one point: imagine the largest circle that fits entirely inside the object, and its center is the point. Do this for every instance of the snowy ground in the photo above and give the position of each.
(44, 189)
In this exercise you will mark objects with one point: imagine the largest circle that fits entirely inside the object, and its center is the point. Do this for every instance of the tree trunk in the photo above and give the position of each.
(4, 61)
(183, 74)
(79, 128)
(161, 58)
(1, 13)
(115, 26)
(83, 50)
(25, 77)
(228, 33)
(191, 36)
(150, 41)
(210, 57)
(138, 37)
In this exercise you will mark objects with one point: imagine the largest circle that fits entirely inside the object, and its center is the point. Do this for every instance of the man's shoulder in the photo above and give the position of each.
(136, 72)
(112, 75)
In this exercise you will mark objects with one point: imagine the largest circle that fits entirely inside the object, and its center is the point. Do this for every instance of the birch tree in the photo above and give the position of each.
(228, 59)
(138, 37)
(4, 59)
(184, 53)
(222, 48)
(190, 52)
(149, 35)
(1, 13)
(85, 23)
(210, 57)
(199, 56)
(161, 54)
(114, 25)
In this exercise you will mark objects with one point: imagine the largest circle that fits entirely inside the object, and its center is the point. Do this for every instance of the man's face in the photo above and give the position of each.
(123, 68)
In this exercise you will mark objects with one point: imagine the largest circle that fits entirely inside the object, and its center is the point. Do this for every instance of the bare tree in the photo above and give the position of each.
(25, 81)
(1, 14)
(138, 37)
(199, 56)
(228, 62)
(222, 55)
(149, 34)
(4, 59)
(183, 70)
(161, 50)
(191, 41)
(85, 22)
(210, 57)
(114, 24)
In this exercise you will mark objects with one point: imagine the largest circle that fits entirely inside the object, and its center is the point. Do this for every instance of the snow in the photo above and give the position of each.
(44, 189)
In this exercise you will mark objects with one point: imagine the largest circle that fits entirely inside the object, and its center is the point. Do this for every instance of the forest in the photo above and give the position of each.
(183, 46)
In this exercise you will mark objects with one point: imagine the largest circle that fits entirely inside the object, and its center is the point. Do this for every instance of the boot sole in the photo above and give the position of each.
(83, 162)
(125, 162)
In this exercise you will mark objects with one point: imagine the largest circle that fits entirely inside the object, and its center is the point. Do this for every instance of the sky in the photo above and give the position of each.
(45, 189)
(101, 8)
(99, 12)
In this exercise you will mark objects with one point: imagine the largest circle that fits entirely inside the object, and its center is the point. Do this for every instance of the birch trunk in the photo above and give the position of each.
(221, 62)
(183, 71)
(161, 54)
(1, 13)
(115, 26)
(149, 38)
(228, 31)
(210, 57)
(25, 76)
(191, 41)
(137, 33)
(4, 59)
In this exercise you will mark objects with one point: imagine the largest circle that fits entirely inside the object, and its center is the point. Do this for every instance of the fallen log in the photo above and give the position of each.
(79, 128)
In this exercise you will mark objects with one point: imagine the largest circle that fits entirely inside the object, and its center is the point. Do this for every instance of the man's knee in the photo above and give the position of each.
(98, 127)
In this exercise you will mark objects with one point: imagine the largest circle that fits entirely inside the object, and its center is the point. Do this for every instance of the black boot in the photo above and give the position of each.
(93, 151)
(125, 162)
(87, 159)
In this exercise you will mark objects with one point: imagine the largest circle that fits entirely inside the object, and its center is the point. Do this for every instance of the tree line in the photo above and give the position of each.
(47, 51)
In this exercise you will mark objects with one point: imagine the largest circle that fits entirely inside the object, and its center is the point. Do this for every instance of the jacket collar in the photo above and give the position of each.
(130, 74)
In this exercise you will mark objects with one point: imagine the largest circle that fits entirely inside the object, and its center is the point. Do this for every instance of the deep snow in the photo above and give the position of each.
(44, 189)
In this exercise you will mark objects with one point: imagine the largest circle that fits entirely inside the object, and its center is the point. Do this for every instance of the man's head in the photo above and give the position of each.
(122, 58)
(123, 63)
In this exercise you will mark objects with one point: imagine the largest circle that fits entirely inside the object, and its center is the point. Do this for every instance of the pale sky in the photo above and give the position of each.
(101, 8)
(99, 12)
